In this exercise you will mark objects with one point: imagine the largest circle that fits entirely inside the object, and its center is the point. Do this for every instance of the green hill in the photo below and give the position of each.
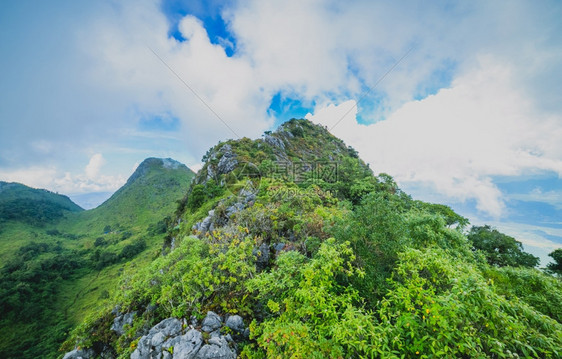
(33, 206)
(313, 256)
(149, 195)
(25, 211)
(59, 268)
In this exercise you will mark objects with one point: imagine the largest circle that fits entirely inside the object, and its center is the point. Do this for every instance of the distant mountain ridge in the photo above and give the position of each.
(13, 190)
(36, 206)
(90, 200)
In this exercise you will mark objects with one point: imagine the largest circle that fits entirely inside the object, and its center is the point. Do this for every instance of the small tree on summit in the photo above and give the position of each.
(500, 249)
(556, 267)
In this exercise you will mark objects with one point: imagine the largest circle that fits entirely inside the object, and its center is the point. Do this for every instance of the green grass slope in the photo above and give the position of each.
(55, 273)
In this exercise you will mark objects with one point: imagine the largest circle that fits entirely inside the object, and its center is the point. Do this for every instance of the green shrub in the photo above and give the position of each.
(196, 197)
(440, 306)
(309, 313)
(195, 277)
(542, 292)
(377, 232)
(131, 250)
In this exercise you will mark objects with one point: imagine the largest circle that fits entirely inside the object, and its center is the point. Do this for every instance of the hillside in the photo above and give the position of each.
(289, 246)
(33, 206)
(25, 211)
(56, 272)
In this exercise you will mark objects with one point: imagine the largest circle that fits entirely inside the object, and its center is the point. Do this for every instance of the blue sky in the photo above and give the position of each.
(471, 117)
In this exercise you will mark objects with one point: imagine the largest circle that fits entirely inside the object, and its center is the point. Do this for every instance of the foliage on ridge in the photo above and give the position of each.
(345, 267)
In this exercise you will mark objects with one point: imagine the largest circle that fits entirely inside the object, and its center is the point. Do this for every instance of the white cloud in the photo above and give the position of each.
(126, 37)
(93, 168)
(552, 197)
(56, 180)
(37, 177)
(458, 139)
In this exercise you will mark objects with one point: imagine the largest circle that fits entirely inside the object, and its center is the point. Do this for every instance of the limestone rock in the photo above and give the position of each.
(120, 321)
(150, 346)
(228, 161)
(80, 354)
(189, 345)
(216, 349)
(211, 322)
(236, 323)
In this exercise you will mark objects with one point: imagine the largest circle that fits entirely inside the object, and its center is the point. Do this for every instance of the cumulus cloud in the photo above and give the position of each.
(126, 39)
(35, 176)
(329, 50)
(93, 168)
(57, 180)
(456, 141)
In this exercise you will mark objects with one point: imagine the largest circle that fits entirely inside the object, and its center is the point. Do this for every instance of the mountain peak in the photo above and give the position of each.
(297, 142)
(151, 164)
(153, 175)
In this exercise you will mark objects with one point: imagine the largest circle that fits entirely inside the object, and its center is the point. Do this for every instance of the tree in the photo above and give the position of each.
(196, 197)
(452, 219)
(556, 267)
(376, 230)
(500, 249)
(99, 242)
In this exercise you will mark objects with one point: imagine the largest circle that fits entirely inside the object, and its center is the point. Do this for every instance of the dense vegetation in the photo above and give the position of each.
(29, 284)
(324, 265)
(60, 263)
(32, 206)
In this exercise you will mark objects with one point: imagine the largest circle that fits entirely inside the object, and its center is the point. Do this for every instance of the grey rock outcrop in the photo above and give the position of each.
(211, 322)
(159, 337)
(121, 320)
(80, 354)
(228, 161)
(236, 323)
(205, 224)
(165, 340)
(188, 345)
(235, 208)
(169, 327)
(216, 349)
(275, 142)
(212, 221)
(246, 197)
